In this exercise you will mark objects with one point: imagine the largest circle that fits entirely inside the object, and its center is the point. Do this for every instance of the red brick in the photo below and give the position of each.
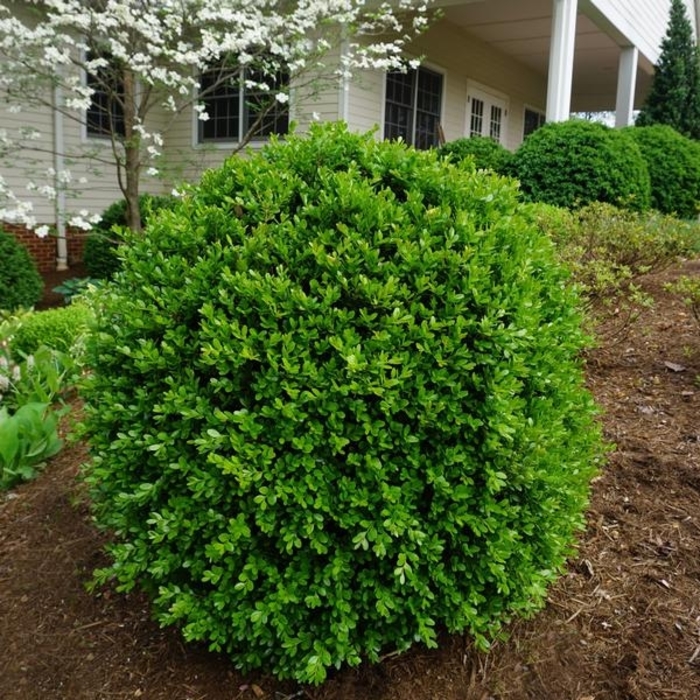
(44, 250)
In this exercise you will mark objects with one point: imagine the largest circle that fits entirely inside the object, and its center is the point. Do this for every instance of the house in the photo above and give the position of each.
(496, 68)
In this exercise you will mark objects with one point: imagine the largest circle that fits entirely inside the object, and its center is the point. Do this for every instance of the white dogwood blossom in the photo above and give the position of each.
(149, 56)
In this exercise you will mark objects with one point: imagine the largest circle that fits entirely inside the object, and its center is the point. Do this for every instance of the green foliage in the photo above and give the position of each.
(689, 290)
(335, 404)
(673, 162)
(608, 249)
(75, 287)
(29, 386)
(56, 328)
(28, 438)
(485, 153)
(39, 376)
(21, 284)
(100, 254)
(570, 164)
(674, 98)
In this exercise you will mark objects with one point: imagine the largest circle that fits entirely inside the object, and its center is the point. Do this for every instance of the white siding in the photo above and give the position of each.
(461, 58)
(313, 98)
(85, 158)
(18, 168)
(642, 22)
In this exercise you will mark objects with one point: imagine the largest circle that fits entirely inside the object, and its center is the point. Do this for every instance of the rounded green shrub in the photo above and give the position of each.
(335, 405)
(486, 153)
(21, 285)
(673, 161)
(100, 253)
(573, 163)
(57, 328)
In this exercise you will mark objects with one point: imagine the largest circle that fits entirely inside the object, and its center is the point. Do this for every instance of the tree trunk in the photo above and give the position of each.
(132, 153)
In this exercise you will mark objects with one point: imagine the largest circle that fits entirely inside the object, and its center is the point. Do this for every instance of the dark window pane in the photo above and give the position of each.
(533, 121)
(428, 108)
(398, 117)
(221, 100)
(477, 118)
(413, 106)
(105, 115)
(495, 123)
(226, 101)
(262, 108)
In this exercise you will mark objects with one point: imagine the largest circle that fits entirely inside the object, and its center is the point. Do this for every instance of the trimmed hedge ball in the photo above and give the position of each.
(573, 163)
(485, 153)
(336, 405)
(21, 285)
(673, 161)
(55, 328)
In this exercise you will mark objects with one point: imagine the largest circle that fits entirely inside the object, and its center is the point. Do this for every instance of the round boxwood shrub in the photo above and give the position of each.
(21, 284)
(486, 153)
(572, 163)
(336, 405)
(674, 168)
(100, 253)
(55, 328)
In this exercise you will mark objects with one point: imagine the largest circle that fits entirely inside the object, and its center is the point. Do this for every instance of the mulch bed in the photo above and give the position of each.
(623, 623)
(54, 279)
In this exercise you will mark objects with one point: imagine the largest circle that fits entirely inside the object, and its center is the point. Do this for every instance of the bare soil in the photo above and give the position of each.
(623, 623)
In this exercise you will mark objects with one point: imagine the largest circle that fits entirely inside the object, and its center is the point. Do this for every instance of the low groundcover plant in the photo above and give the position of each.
(336, 405)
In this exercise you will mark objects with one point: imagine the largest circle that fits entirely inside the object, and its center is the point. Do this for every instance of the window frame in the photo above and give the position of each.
(243, 116)
(102, 134)
(542, 119)
(428, 68)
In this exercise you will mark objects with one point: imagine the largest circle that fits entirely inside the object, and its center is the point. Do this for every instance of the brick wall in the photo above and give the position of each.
(43, 250)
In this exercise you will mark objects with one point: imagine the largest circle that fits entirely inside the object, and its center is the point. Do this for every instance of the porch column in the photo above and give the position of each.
(561, 60)
(626, 85)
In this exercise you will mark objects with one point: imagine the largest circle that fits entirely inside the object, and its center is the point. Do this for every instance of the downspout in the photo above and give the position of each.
(58, 165)
(344, 90)
(697, 21)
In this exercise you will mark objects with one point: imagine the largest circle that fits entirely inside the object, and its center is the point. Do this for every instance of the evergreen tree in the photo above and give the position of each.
(674, 98)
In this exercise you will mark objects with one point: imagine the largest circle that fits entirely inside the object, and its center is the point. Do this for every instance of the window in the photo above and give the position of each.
(234, 108)
(105, 115)
(486, 115)
(533, 121)
(496, 123)
(476, 125)
(413, 107)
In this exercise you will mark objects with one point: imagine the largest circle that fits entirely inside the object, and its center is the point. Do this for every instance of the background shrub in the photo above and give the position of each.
(570, 164)
(674, 168)
(335, 404)
(100, 253)
(21, 284)
(55, 328)
(486, 153)
(608, 249)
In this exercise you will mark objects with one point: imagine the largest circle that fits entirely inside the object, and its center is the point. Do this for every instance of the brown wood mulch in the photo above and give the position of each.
(623, 623)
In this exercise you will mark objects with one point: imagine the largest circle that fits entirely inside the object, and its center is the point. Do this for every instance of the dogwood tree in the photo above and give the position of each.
(127, 68)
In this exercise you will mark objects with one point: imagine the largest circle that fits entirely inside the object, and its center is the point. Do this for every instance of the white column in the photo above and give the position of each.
(626, 86)
(561, 60)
